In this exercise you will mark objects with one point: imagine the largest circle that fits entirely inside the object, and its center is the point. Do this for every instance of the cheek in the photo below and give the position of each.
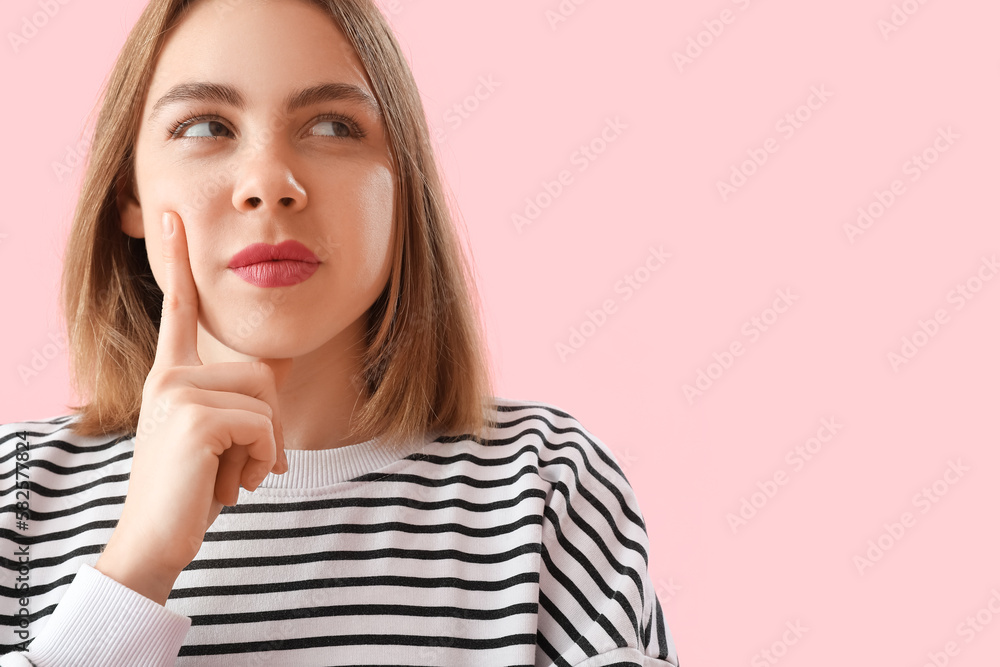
(357, 213)
(193, 193)
(200, 251)
(375, 202)
(197, 199)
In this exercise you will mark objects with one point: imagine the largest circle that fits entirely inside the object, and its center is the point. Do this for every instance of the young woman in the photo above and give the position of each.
(290, 454)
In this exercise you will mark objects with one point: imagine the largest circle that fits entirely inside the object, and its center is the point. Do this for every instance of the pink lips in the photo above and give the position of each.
(282, 265)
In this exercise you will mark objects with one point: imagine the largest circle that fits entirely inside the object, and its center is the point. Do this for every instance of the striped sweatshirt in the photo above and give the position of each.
(529, 549)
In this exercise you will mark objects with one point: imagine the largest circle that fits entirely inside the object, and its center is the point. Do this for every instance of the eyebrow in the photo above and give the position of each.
(221, 93)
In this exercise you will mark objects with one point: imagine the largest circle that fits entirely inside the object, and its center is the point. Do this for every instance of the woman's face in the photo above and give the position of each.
(245, 167)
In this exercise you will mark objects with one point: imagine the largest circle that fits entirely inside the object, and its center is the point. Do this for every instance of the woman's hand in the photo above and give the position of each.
(203, 431)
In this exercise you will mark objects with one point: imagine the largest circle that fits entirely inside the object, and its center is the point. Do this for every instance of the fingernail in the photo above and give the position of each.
(168, 225)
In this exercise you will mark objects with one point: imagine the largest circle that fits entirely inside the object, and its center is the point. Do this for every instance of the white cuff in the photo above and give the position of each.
(101, 622)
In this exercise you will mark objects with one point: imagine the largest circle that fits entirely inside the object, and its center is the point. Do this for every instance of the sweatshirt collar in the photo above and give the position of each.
(313, 469)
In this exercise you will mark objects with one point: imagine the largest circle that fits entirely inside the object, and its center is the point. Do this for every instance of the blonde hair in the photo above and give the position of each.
(425, 366)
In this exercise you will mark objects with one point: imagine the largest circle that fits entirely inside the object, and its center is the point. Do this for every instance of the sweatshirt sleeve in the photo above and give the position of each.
(100, 622)
(597, 602)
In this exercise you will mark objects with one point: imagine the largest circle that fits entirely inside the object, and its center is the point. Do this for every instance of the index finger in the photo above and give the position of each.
(177, 344)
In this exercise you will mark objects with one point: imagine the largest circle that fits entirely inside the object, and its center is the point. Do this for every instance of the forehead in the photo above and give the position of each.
(263, 47)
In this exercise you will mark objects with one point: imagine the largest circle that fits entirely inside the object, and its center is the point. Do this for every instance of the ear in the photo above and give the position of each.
(130, 212)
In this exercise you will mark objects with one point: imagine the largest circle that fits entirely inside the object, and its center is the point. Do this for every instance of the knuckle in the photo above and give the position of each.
(155, 383)
(165, 377)
(171, 302)
(264, 422)
(195, 418)
(185, 396)
(196, 413)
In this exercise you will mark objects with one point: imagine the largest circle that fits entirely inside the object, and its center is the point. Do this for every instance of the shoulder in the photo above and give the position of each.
(53, 438)
(557, 429)
(51, 457)
(583, 481)
(45, 426)
(596, 598)
(543, 414)
(570, 457)
(19, 439)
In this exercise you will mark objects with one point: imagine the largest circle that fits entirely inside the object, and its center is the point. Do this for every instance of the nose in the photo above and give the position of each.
(266, 181)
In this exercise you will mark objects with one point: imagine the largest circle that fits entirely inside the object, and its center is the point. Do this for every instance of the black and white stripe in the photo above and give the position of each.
(528, 550)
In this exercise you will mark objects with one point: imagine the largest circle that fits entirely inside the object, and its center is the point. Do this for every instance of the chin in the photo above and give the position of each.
(267, 345)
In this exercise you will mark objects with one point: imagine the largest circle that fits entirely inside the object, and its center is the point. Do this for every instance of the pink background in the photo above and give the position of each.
(727, 594)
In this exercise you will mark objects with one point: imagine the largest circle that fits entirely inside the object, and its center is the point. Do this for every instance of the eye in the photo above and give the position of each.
(339, 129)
(340, 126)
(210, 123)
